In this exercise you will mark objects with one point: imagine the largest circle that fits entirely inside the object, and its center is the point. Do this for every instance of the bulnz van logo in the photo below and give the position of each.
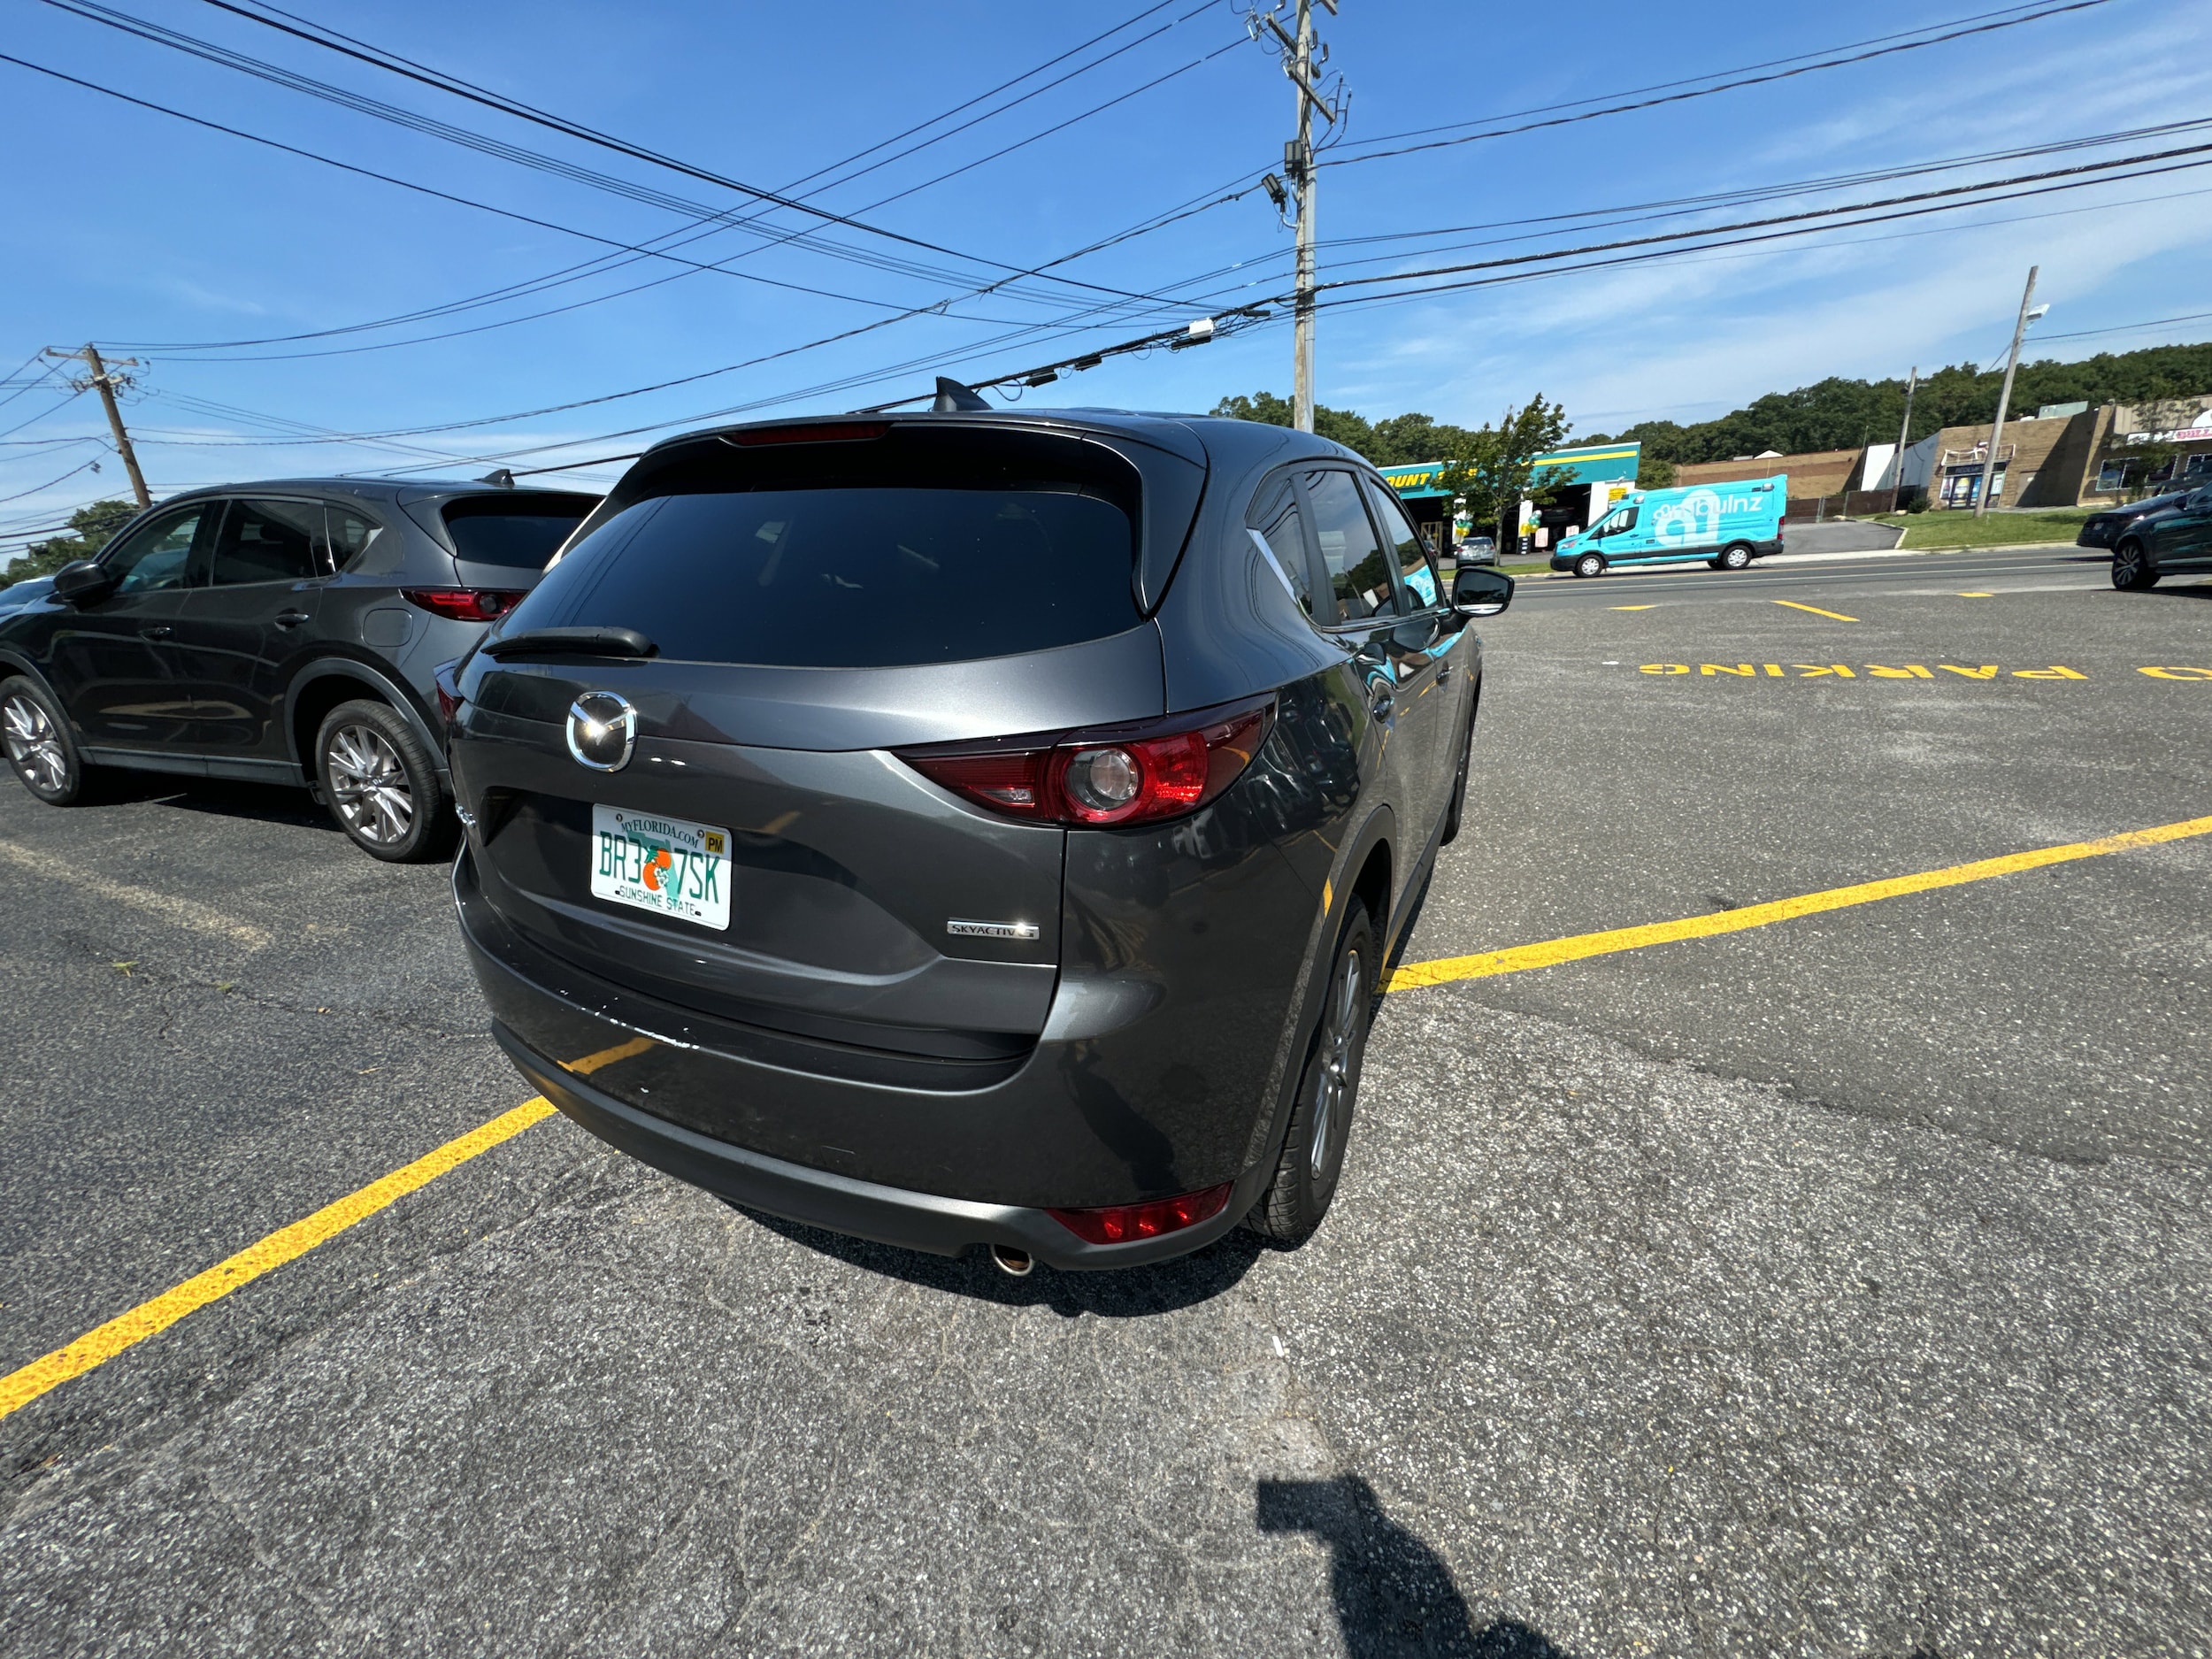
(602, 731)
(1696, 517)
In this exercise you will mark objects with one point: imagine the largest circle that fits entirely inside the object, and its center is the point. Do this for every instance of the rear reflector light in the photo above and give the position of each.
(830, 432)
(1110, 776)
(1124, 1224)
(463, 604)
(448, 685)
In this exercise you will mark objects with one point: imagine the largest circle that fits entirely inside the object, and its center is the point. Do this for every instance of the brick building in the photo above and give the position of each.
(2063, 457)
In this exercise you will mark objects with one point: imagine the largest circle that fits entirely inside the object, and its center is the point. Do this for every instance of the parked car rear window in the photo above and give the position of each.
(521, 533)
(845, 575)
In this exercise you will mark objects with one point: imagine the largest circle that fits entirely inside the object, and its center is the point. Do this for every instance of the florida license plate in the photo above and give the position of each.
(667, 865)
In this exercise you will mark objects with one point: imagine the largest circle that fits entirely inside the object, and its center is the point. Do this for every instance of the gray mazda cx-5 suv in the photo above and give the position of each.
(282, 632)
(969, 827)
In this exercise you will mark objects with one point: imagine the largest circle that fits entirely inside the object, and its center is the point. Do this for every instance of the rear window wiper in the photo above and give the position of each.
(571, 642)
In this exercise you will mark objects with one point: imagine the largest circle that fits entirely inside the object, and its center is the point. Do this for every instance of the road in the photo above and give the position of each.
(1831, 1287)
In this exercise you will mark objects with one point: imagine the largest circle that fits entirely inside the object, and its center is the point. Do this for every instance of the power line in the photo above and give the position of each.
(394, 64)
(1034, 92)
(2124, 329)
(2071, 178)
(93, 465)
(1962, 30)
(48, 410)
(607, 263)
(1340, 301)
(445, 195)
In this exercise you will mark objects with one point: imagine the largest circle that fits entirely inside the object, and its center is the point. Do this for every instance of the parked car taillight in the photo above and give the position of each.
(1124, 1223)
(1109, 776)
(463, 604)
(448, 685)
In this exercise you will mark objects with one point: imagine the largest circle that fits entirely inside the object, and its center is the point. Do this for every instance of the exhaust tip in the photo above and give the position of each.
(1019, 1263)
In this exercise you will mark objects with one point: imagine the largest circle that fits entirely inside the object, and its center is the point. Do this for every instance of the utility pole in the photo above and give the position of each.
(1904, 436)
(1300, 61)
(2004, 396)
(106, 379)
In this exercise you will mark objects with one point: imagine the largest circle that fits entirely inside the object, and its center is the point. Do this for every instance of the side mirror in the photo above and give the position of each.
(1480, 590)
(82, 582)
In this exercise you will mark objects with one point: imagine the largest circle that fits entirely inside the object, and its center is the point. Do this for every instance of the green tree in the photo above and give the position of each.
(1495, 468)
(91, 528)
(1652, 473)
(1397, 440)
(1339, 426)
(1842, 414)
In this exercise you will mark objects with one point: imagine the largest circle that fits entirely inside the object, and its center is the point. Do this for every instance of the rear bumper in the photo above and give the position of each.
(932, 1168)
(863, 1209)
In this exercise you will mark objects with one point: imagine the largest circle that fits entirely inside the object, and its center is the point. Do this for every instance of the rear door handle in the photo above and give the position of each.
(156, 631)
(290, 619)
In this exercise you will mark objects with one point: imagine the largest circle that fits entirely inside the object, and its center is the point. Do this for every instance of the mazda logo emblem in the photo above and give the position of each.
(602, 731)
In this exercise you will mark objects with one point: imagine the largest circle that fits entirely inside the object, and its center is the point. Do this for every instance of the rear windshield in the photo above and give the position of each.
(521, 533)
(845, 575)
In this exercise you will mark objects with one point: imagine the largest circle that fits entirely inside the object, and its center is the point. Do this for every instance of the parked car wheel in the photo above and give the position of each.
(1735, 556)
(1590, 564)
(38, 743)
(1312, 1153)
(2131, 567)
(381, 784)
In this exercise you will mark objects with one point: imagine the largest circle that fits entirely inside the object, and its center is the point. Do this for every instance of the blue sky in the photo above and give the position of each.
(151, 236)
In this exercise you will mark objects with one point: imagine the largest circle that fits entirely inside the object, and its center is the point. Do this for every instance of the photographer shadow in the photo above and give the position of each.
(1393, 1594)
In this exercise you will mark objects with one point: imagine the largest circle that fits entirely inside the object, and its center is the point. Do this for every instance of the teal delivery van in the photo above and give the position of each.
(1725, 525)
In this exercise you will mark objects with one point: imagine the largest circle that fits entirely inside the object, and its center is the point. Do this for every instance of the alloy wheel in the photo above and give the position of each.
(368, 785)
(33, 747)
(1333, 1096)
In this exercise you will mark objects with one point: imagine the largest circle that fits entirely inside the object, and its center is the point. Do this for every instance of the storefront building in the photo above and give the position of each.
(1586, 482)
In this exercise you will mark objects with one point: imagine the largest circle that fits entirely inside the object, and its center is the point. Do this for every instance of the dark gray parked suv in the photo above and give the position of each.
(285, 633)
(969, 827)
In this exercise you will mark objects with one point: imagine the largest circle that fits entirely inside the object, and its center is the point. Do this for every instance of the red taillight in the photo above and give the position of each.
(463, 604)
(1123, 1224)
(1112, 776)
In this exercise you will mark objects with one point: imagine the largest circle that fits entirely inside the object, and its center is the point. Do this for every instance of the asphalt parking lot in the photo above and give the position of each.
(1834, 1285)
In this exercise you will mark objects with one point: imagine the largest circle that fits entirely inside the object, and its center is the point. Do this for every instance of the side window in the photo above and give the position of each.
(1359, 573)
(1275, 515)
(351, 534)
(1415, 575)
(154, 557)
(268, 541)
(1625, 520)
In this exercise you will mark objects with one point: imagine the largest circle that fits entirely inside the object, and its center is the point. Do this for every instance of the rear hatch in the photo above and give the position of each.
(502, 539)
(815, 598)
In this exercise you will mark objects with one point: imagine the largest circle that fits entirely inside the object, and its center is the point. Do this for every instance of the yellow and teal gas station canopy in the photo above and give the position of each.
(1594, 464)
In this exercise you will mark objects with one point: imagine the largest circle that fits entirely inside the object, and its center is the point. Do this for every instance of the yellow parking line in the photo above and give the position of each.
(1978, 596)
(96, 1347)
(1578, 947)
(1631, 607)
(1815, 609)
(102, 1343)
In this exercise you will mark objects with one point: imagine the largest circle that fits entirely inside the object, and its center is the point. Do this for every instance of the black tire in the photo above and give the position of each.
(40, 750)
(1590, 564)
(382, 785)
(1737, 555)
(1311, 1157)
(2131, 568)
